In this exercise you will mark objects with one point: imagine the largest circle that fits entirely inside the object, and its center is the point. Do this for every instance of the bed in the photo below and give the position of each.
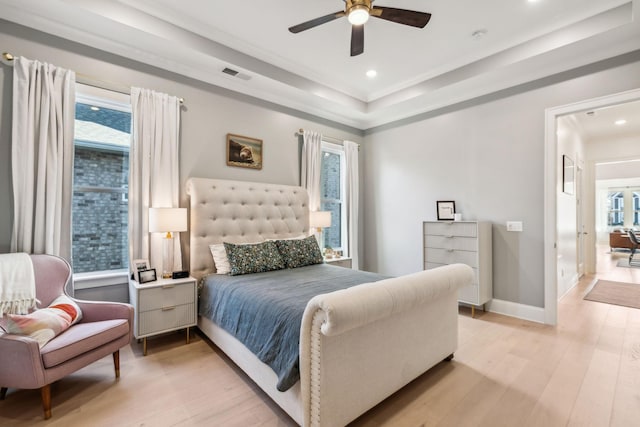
(357, 346)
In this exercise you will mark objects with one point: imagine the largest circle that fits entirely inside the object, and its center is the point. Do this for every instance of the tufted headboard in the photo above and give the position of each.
(241, 212)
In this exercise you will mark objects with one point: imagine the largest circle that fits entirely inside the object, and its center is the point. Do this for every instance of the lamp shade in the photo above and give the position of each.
(163, 220)
(320, 219)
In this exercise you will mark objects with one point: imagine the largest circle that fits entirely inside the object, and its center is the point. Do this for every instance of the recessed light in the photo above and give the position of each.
(372, 73)
(94, 108)
(621, 122)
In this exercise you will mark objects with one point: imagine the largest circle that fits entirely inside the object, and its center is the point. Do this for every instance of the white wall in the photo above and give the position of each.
(617, 170)
(489, 158)
(613, 149)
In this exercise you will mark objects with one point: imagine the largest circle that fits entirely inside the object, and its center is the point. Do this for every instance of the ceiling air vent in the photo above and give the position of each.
(235, 73)
(230, 71)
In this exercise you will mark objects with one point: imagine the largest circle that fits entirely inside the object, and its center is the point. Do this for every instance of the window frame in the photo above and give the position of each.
(338, 149)
(635, 206)
(612, 211)
(113, 100)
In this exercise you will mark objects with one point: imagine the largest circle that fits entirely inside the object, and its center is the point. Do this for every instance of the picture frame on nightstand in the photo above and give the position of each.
(138, 266)
(141, 264)
(146, 276)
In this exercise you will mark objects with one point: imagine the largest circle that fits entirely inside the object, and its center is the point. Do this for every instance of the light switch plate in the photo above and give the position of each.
(514, 225)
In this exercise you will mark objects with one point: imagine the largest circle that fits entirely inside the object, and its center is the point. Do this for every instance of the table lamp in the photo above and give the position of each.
(167, 220)
(320, 220)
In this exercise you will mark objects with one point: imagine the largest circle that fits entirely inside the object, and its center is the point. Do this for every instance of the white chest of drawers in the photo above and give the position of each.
(163, 306)
(466, 242)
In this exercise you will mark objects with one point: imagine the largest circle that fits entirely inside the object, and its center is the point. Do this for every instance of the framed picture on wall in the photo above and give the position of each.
(446, 209)
(244, 152)
(568, 175)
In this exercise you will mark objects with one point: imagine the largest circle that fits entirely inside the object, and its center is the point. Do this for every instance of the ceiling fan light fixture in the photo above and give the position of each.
(358, 14)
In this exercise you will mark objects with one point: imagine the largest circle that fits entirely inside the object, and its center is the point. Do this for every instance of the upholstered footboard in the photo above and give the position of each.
(360, 345)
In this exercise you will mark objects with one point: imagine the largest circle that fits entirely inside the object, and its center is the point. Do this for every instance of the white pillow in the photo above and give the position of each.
(220, 258)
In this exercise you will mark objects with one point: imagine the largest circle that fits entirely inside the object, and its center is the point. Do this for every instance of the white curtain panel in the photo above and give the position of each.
(154, 177)
(352, 199)
(311, 167)
(42, 157)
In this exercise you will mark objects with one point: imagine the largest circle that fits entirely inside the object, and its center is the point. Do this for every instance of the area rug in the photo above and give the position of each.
(617, 293)
(625, 262)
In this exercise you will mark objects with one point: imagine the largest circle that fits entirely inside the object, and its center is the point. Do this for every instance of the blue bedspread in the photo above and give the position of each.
(264, 310)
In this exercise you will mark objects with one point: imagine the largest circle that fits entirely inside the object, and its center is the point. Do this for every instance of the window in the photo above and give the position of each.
(615, 208)
(636, 207)
(100, 181)
(332, 193)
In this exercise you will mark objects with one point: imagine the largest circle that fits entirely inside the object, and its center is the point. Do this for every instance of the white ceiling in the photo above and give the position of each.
(419, 70)
(600, 124)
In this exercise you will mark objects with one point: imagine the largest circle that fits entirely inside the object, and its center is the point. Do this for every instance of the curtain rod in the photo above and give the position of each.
(301, 132)
(88, 80)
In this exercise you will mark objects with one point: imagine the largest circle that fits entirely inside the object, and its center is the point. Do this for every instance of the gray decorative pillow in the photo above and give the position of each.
(300, 252)
(253, 258)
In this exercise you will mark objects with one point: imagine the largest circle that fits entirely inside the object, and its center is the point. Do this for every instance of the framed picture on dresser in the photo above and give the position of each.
(445, 210)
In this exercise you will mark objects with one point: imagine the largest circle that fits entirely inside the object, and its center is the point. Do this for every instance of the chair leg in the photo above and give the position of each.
(45, 392)
(116, 362)
(3, 393)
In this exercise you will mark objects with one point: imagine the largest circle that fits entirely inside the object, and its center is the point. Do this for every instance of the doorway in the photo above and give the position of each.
(552, 189)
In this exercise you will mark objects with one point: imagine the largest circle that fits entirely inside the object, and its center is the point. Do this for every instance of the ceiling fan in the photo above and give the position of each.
(358, 12)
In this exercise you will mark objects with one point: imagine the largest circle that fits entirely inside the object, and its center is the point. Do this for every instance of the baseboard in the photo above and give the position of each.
(575, 282)
(514, 309)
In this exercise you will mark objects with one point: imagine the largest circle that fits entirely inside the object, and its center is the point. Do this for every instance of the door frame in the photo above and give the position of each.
(551, 190)
(580, 220)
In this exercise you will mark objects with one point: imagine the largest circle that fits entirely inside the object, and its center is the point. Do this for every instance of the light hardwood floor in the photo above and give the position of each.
(506, 372)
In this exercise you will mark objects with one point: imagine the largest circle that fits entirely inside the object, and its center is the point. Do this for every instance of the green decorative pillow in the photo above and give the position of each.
(253, 258)
(300, 252)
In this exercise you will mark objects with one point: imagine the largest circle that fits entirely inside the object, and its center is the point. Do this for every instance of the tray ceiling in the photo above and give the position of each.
(468, 49)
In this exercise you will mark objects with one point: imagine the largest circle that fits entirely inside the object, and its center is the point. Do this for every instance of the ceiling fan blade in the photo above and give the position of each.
(315, 22)
(357, 39)
(402, 16)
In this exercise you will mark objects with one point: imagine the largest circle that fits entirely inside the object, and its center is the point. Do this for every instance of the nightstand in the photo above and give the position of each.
(340, 262)
(163, 306)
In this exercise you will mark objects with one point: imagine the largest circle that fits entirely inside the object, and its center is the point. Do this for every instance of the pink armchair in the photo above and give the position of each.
(104, 329)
